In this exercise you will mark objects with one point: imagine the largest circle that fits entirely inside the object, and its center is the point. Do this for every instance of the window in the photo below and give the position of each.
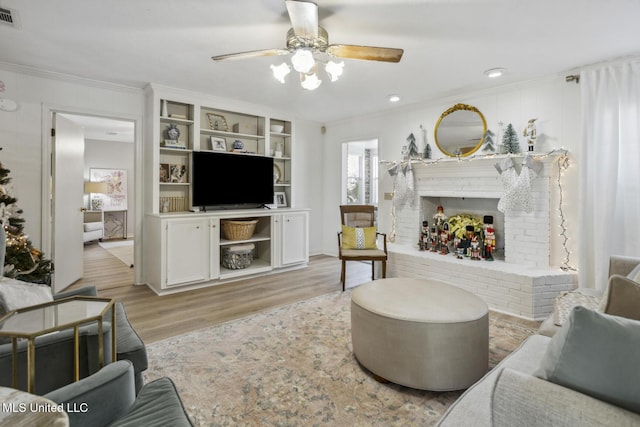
(360, 172)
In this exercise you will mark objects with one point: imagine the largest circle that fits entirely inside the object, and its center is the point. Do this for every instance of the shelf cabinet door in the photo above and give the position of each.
(188, 249)
(294, 236)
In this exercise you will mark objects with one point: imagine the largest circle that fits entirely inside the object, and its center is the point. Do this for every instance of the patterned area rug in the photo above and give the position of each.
(293, 366)
(121, 249)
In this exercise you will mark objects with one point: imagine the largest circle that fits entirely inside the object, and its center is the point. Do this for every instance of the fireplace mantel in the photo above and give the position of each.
(529, 278)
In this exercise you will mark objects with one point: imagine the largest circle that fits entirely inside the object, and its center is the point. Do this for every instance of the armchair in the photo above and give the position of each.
(54, 352)
(621, 298)
(358, 239)
(105, 398)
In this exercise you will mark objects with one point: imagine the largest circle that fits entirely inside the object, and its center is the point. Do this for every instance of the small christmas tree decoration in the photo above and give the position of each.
(510, 140)
(488, 144)
(22, 260)
(413, 148)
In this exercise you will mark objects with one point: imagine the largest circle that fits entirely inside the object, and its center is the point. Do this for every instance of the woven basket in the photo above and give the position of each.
(238, 230)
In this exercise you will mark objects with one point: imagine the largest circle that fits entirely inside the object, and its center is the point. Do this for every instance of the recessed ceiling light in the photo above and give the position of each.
(494, 72)
(394, 98)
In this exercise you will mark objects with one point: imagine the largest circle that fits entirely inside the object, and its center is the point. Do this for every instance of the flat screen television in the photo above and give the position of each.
(226, 180)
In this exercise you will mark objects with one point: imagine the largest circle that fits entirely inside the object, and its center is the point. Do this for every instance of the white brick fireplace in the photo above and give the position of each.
(526, 277)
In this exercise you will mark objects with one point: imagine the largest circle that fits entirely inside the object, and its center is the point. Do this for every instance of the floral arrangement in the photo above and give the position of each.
(458, 224)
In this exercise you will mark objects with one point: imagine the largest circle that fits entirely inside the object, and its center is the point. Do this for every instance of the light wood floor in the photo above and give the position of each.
(156, 318)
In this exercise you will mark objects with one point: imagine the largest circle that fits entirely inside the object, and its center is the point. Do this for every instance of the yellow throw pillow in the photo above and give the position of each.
(358, 237)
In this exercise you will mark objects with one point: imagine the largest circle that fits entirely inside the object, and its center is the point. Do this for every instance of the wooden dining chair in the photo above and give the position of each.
(358, 239)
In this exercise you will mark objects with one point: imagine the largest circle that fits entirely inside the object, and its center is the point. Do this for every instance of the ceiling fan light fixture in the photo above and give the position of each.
(280, 71)
(310, 81)
(394, 98)
(334, 69)
(303, 60)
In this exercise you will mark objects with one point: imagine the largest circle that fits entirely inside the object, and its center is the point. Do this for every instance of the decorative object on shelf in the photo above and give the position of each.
(177, 173)
(175, 204)
(280, 198)
(531, 132)
(238, 229)
(458, 224)
(460, 130)
(277, 174)
(218, 144)
(475, 248)
(412, 148)
(237, 257)
(164, 205)
(423, 239)
(217, 122)
(173, 133)
(426, 153)
(510, 140)
(444, 239)
(164, 172)
(238, 146)
(488, 141)
(439, 218)
(276, 128)
(279, 151)
(164, 111)
(489, 237)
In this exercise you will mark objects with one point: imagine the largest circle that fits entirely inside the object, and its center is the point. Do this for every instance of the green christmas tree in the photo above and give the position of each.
(510, 140)
(22, 260)
(488, 144)
(413, 148)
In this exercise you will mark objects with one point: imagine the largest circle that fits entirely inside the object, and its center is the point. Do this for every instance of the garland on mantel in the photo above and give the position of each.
(563, 164)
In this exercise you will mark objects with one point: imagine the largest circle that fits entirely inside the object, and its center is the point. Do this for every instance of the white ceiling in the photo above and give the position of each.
(448, 44)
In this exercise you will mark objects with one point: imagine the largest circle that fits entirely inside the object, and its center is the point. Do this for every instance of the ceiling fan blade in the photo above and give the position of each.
(367, 53)
(251, 54)
(304, 18)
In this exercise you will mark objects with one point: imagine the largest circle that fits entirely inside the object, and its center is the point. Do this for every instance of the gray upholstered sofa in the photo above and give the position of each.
(567, 378)
(54, 352)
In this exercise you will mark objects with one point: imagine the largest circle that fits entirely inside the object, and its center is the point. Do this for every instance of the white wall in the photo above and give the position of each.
(555, 103)
(113, 155)
(23, 133)
(24, 139)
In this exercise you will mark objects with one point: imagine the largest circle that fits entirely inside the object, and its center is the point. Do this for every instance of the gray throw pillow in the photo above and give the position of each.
(596, 354)
(635, 274)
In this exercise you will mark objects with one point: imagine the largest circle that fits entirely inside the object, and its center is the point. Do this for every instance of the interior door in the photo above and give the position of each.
(68, 187)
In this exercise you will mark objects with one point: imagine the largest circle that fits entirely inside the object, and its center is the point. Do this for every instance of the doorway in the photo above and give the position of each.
(108, 145)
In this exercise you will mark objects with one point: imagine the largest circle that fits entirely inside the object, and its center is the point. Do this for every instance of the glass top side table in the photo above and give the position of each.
(73, 312)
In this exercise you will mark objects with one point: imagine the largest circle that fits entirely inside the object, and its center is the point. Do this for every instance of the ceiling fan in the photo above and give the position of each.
(309, 44)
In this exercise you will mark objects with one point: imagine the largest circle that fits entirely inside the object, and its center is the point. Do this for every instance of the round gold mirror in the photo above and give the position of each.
(460, 130)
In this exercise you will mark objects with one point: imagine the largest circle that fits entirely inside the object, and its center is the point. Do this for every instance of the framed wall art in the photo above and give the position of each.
(280, 199)
(116, 196)
(218, 144)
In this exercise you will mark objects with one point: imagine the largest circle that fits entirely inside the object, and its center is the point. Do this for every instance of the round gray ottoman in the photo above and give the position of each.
(420, 333)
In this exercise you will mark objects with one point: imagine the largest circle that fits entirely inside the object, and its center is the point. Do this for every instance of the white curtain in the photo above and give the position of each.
(609, 202)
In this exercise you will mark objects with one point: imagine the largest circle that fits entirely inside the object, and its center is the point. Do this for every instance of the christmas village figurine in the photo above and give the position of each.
(474, 248)
(439, 218)
(424, 241)
(444, 239)
(531, 133)
(433, 239)
(489, 238)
